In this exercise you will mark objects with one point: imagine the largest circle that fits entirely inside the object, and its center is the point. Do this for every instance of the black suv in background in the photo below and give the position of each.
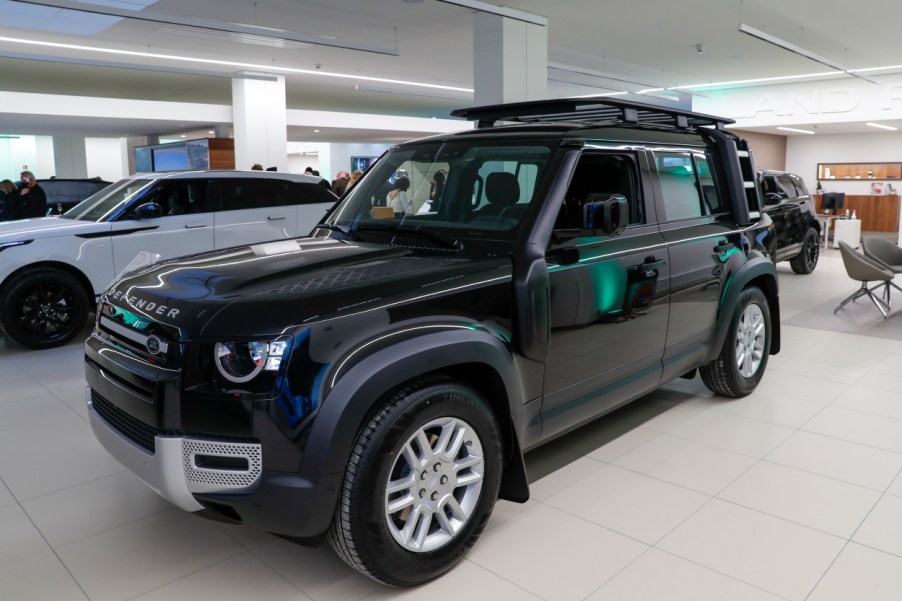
(787, 201)
(378, 382)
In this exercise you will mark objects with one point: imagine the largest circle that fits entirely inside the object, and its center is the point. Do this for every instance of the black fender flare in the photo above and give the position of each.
(758, 271)
(354, 395)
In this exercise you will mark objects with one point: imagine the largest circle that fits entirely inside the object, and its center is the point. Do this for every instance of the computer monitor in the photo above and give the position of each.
(832, 201)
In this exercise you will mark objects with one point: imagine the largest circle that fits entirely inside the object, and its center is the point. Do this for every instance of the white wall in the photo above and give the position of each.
(106, 158)
(298, 163)
(803, 153)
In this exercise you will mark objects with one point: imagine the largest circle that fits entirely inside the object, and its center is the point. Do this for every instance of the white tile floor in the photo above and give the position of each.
(793, 493)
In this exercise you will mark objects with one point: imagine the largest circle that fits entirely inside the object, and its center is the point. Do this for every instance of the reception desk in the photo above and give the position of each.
(878, 213)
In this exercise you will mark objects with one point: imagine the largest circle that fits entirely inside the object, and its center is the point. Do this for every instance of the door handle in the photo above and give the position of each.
(271, 218)
(194, 227)
(723, 247)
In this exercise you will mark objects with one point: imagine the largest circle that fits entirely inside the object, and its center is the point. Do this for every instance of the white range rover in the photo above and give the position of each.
(53, 268)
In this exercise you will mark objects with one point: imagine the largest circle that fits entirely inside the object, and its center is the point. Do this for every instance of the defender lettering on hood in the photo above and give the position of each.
(144, 305)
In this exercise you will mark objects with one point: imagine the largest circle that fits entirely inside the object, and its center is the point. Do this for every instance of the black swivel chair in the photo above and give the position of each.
(863, 269)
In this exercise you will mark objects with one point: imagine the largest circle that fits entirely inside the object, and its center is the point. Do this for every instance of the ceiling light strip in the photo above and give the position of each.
(503, 11)
(794, 130)
(151, 17)
(252, 66)
(881, 126)
(766, 37)
(132, 67)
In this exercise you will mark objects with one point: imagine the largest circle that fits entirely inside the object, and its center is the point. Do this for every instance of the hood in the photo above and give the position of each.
(264, 288)
(47, 227)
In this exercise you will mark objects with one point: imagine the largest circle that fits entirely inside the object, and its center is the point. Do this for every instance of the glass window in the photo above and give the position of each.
(183, 197)
(484, 190)
(236, 194)
(601, 174)
(688, 187)
(107, 202)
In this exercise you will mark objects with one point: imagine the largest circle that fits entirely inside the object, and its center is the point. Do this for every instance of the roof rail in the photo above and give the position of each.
(588, 111)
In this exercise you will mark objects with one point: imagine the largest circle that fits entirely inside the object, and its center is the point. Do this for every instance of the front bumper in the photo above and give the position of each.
(179, 467)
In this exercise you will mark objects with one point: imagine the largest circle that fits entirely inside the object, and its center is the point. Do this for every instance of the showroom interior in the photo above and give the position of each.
(792, 493)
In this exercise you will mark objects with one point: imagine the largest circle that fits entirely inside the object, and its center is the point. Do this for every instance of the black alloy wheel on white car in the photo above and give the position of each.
(420, 485)
(43, 308)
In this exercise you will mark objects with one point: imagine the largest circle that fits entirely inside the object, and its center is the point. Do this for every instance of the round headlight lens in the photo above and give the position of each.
(240, 361)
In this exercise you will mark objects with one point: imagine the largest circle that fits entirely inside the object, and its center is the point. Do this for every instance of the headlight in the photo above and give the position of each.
(241, 362)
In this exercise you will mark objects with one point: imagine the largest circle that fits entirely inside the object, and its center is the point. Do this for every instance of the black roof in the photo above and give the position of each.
(589, 111)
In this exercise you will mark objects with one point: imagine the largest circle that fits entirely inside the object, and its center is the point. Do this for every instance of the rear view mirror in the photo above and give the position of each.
(605, 213)
(149, 210)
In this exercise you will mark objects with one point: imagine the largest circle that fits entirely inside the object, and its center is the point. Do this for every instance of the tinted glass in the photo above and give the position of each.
(485, 188)
(183, 197)
(680, 188)
(237, 194)
(601, 174)
(108, 201)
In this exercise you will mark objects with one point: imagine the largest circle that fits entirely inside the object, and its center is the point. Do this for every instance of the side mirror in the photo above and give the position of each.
(149, 210)
(772, 198)
(607, 213)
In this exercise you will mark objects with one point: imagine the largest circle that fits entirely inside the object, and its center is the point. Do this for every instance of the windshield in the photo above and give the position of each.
(443, 193)
(101, 204)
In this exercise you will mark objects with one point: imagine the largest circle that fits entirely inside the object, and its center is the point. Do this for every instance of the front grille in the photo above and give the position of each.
(126, 331)
(135, 430)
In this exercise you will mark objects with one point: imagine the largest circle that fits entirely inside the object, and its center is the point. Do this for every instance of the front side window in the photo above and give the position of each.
(456, 190)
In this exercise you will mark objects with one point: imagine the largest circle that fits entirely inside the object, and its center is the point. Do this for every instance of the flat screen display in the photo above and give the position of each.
(170, 159)
(143, 160)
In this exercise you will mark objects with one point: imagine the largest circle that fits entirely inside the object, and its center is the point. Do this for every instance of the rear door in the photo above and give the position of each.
(705, 250)
(253, 210)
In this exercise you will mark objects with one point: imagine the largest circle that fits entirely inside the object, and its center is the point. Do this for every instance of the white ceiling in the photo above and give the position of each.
(641, 43)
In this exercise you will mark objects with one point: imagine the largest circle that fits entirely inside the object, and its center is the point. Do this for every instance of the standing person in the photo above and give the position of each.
(397, 197)
(355, 175)
(438, 187)
(9, 201)
(34, 199)
(340, 183)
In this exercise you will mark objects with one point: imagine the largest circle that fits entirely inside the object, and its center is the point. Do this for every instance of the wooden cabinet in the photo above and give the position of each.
(829, 171)
(878, 213)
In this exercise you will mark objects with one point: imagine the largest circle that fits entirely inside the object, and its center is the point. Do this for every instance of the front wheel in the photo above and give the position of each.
(806, 260)
(740, 365)
(43, 308)
(420, 485)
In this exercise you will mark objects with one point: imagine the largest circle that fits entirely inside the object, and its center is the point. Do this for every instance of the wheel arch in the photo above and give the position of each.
(59, 266)
(475, 358)
(761, 274)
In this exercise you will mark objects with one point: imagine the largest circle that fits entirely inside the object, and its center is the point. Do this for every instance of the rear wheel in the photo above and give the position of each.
(806, 260)
(740, 365)
(420, 485)
(43, 308)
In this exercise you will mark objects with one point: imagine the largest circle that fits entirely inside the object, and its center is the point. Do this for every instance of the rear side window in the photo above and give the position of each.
(237, 194)
(688, 188)
(306, 193)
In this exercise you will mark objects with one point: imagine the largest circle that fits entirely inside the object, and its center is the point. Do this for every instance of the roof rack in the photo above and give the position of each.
(588, 111)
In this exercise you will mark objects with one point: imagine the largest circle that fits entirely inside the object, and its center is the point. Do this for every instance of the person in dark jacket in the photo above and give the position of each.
(34, 199)
(9, 201)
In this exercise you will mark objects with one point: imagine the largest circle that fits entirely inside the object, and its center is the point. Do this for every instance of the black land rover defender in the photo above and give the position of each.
(796, 226)
(378, 382)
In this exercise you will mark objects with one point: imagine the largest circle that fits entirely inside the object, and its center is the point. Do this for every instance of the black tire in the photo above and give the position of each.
(750, 328)
(43, 308)
(364, 531)
(805, 262)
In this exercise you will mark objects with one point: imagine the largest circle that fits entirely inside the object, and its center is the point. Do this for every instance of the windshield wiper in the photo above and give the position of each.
(443, 242)
(351, 234)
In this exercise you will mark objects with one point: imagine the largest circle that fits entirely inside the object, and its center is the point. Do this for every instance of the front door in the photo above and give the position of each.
(609, 298)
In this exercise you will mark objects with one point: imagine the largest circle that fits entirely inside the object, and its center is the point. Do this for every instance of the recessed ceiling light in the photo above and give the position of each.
(316, 131)
(881, 126)
(798, 131)
(183, 136)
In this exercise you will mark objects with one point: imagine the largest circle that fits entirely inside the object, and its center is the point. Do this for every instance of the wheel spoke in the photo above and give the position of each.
(425, 446)
(396, 505)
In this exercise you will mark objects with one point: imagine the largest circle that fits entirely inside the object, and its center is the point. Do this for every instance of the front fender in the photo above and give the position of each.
(355, 387)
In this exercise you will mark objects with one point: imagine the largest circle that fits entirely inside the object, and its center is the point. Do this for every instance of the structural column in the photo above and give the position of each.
(511, 59)
(260, 123)
(69, 157)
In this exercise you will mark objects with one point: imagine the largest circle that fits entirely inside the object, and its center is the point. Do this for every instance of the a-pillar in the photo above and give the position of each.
(511, 59)
(260, 123)
(69, 157)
